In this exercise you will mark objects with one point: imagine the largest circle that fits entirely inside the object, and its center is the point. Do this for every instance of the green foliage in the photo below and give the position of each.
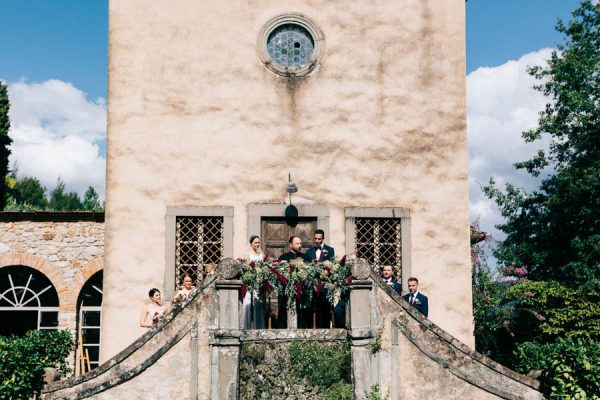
(23, 359)
(374, 394)
(550, 310)
(554, 231)
(492, 337)
(5, 142)
(339, 391)
(29, 194)
(321, 365)
(296, 370)
(61, 201)
(571, 367)
(90, 200)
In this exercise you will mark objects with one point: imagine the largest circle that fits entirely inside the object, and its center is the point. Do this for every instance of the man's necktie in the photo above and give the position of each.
(410, 298)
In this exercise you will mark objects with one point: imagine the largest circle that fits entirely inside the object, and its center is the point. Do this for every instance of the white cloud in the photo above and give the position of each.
(501, 105)
(56, 131)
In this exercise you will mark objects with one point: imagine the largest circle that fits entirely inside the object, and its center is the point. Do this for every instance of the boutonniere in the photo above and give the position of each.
(416, 301)
(325, 252)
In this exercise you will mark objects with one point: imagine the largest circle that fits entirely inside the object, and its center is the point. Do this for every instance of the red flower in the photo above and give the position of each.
(292, 268)
(326, 267)
(319, 287)
(253, 264)
(298, 285)
(280, 277)
(343, 261)
(267, 287)
(349, 279)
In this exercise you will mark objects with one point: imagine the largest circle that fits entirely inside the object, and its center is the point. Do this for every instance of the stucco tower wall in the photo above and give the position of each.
(195, 119)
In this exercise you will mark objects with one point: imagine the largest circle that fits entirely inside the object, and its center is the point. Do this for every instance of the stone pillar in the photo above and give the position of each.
(225, 349)
(359, 322)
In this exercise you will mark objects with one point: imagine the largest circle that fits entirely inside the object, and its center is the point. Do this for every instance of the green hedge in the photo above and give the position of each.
(571, 367)
(23, 359)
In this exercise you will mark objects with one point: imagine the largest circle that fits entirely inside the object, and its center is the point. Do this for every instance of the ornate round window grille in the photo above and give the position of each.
(291, 45)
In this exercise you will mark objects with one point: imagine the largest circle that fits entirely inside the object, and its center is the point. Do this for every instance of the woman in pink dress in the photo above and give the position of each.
(153, 312)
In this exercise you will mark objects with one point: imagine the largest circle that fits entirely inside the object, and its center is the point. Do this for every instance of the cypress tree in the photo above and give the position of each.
(5, 142)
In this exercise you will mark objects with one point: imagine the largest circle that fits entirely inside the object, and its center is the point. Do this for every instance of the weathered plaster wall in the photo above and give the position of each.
(194, 119)
(418, 360)
(67, 253)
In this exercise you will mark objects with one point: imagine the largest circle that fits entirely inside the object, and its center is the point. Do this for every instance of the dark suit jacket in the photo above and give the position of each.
(290, 255)
(311, 254)
(395, 285)
(420, 303)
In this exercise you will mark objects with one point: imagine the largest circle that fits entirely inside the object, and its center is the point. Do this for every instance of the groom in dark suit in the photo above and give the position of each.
(320, 251)
(415, 298)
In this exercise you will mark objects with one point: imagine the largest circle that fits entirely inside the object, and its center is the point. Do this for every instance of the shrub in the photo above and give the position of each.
(321, 365)
(23, 359)
(571, 367)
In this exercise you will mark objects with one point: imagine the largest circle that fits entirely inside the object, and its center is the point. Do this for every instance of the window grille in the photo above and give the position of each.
(379, 241)
(90, 315)
(28, 301)
(199, 247)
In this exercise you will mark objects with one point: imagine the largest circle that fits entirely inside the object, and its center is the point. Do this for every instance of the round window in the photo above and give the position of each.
(290, 45)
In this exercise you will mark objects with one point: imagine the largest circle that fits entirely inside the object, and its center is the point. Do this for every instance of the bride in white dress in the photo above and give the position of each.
(253, 307)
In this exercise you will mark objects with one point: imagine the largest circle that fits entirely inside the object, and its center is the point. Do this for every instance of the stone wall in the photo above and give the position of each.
(195, 353)
(68, 248)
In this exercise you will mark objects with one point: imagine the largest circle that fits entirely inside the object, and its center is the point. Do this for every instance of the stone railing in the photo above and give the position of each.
(194, 353)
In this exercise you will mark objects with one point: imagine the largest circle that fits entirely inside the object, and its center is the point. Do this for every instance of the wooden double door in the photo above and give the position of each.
(275, 234)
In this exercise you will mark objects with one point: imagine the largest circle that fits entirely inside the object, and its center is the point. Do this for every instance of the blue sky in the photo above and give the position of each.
(68, 39)
(53, 54)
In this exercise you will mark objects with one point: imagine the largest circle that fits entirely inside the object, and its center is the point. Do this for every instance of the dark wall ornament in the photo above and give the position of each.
(291, 215)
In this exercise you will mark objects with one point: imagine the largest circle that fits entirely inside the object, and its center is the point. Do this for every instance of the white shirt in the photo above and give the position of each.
(414, 296)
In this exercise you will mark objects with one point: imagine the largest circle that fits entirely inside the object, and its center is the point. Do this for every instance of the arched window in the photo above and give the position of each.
(28, 301)
(89, 315)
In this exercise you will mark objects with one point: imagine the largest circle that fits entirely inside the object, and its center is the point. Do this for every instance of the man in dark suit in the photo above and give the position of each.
(321, 306)
(295, 247)
(320, 251)
(390, 279)
(415, 298)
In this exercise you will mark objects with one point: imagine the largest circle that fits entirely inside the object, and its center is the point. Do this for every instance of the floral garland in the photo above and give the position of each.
(297, 279)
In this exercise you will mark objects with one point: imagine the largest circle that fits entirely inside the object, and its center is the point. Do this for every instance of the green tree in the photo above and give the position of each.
(554, 231)
(62, 201)
(5, 142)
(490, 312)
(30, 194)
(90, 200)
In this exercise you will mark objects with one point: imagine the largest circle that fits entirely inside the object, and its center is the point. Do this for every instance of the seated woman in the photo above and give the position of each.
(185, 290)
(153, 312)
(253, 309)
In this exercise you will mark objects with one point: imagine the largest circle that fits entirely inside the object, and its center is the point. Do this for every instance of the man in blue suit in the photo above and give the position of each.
(415, 298)
(320, 251)
(322, 308)
(390, 279)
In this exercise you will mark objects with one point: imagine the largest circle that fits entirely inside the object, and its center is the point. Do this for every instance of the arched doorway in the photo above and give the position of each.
(89, 313)
(28, 301)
